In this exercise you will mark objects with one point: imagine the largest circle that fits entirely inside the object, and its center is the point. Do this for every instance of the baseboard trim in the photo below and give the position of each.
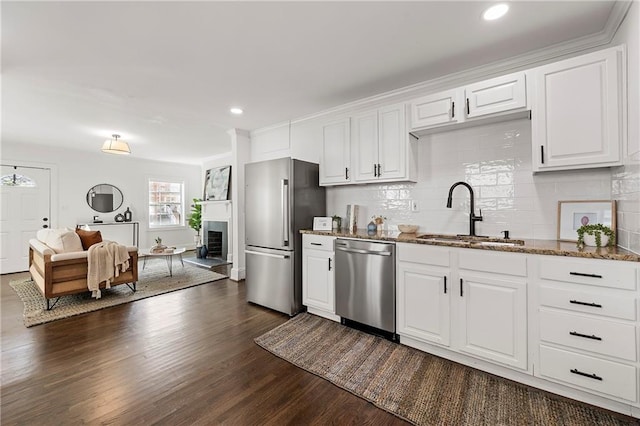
(237, 274)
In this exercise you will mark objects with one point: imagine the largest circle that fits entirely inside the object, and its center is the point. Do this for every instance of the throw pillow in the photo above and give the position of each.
(89, 238)
(60, 240)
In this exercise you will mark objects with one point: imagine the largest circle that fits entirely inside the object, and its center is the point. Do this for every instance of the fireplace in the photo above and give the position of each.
(216, 239)
(217, 230)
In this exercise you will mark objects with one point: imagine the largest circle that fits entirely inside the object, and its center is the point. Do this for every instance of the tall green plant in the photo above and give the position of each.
(195, 218)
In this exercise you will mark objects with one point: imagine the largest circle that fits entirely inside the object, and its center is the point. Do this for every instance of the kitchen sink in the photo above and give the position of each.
(498, 243)
(467, 239)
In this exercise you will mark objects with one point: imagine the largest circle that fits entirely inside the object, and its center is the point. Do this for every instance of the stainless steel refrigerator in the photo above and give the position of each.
(281, 197)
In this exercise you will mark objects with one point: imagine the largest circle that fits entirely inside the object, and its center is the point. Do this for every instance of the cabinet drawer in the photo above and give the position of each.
(592, 272)
(498, 263)
(611, 303)
(590, 334)
(317, 242)
(417, 253)
(589, 373)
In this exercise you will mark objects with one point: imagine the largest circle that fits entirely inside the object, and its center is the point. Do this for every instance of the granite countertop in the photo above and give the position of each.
(546, 247)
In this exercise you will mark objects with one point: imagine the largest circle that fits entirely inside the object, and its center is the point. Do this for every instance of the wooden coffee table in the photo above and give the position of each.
(167, 255)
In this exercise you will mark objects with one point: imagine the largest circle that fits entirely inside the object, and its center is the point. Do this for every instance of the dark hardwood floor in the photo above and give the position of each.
(182, 358)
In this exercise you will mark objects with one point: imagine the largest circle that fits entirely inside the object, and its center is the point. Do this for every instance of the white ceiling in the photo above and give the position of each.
(164, 74)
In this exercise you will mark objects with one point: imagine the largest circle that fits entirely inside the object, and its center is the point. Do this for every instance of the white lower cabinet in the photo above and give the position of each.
(585, 325)
(423, 293)
(492, 306)
(472, 312)
(564, 324)
(318, 293)
(492, 321)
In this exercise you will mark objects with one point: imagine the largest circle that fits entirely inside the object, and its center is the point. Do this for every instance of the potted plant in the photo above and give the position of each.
(596, 234)
(195, 219)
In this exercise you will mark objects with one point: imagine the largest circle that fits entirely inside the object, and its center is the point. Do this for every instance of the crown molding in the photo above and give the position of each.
(270, 127)
(515, 63)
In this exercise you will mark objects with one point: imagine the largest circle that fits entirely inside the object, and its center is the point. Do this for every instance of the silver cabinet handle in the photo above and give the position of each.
(279, 256)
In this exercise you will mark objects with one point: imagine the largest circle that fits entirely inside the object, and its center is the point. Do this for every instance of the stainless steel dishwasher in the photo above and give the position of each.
(365, 283)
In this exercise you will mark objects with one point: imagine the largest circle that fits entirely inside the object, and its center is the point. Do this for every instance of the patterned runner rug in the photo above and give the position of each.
(152, 281)
(418, 387)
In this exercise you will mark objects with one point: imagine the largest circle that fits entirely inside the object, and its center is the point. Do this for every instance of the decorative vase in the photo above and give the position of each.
(590, 240)
(127, 215)
(203, 252)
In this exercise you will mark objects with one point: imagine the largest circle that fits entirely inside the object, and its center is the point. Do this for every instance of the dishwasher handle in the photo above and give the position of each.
(359, 251)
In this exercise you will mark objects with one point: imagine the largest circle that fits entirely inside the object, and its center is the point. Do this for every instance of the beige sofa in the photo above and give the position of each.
(59, 272)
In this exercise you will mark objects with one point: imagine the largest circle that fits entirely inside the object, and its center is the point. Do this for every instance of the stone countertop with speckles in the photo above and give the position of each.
(546, 247)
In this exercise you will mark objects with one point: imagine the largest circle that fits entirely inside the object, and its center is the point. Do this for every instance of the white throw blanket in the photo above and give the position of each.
(105, 262)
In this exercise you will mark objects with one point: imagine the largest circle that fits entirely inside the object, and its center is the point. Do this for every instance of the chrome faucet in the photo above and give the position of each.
(472, 215)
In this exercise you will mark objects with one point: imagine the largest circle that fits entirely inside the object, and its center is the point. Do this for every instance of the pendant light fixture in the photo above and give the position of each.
(116, 146)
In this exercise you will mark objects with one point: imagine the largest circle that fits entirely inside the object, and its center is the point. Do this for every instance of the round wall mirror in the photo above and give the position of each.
(104, 198)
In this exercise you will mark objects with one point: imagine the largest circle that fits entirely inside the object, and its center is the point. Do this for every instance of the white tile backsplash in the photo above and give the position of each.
(495, 159)
(626, 189)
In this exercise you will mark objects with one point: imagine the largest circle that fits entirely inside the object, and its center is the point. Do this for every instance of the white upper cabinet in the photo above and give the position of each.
(494, 97)
(435, 110)
(381, 145)
(375, 144)
(500, 94)
(335, 160)
(364, 140)
(577, 112)
(393, 144)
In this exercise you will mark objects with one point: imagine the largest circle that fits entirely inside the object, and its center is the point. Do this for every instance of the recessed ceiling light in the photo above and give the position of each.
(236, 110)
(495, 12)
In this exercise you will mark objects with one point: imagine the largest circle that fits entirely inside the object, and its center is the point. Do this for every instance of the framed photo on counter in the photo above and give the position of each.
(573, 214)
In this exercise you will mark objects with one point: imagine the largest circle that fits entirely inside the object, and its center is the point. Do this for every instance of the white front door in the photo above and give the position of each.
(25, 207)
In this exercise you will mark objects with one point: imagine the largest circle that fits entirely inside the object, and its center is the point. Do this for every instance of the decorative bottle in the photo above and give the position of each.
(127, 215)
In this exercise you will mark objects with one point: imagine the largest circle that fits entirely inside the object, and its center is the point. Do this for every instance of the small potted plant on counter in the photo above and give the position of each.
(596, 235)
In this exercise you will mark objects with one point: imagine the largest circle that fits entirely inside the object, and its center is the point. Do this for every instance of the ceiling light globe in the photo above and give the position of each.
(495, 12)
(236, 110)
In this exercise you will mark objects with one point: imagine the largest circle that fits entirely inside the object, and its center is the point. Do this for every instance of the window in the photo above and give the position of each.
(166, 204)
(17, 180)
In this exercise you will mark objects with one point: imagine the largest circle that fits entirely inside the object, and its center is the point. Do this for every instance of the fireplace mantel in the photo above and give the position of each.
(219, 211)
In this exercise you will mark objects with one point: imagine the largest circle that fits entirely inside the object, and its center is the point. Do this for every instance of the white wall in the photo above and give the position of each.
(78, 171)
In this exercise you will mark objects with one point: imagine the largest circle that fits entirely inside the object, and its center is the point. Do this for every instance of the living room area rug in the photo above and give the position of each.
(418, 387)
(152, 281)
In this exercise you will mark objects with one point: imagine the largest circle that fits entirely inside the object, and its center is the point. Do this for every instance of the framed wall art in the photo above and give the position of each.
(217, 183)
(573, 214)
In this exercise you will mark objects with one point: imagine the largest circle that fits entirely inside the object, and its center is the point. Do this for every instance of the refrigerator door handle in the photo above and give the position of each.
(285, 211)
(279, 256)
